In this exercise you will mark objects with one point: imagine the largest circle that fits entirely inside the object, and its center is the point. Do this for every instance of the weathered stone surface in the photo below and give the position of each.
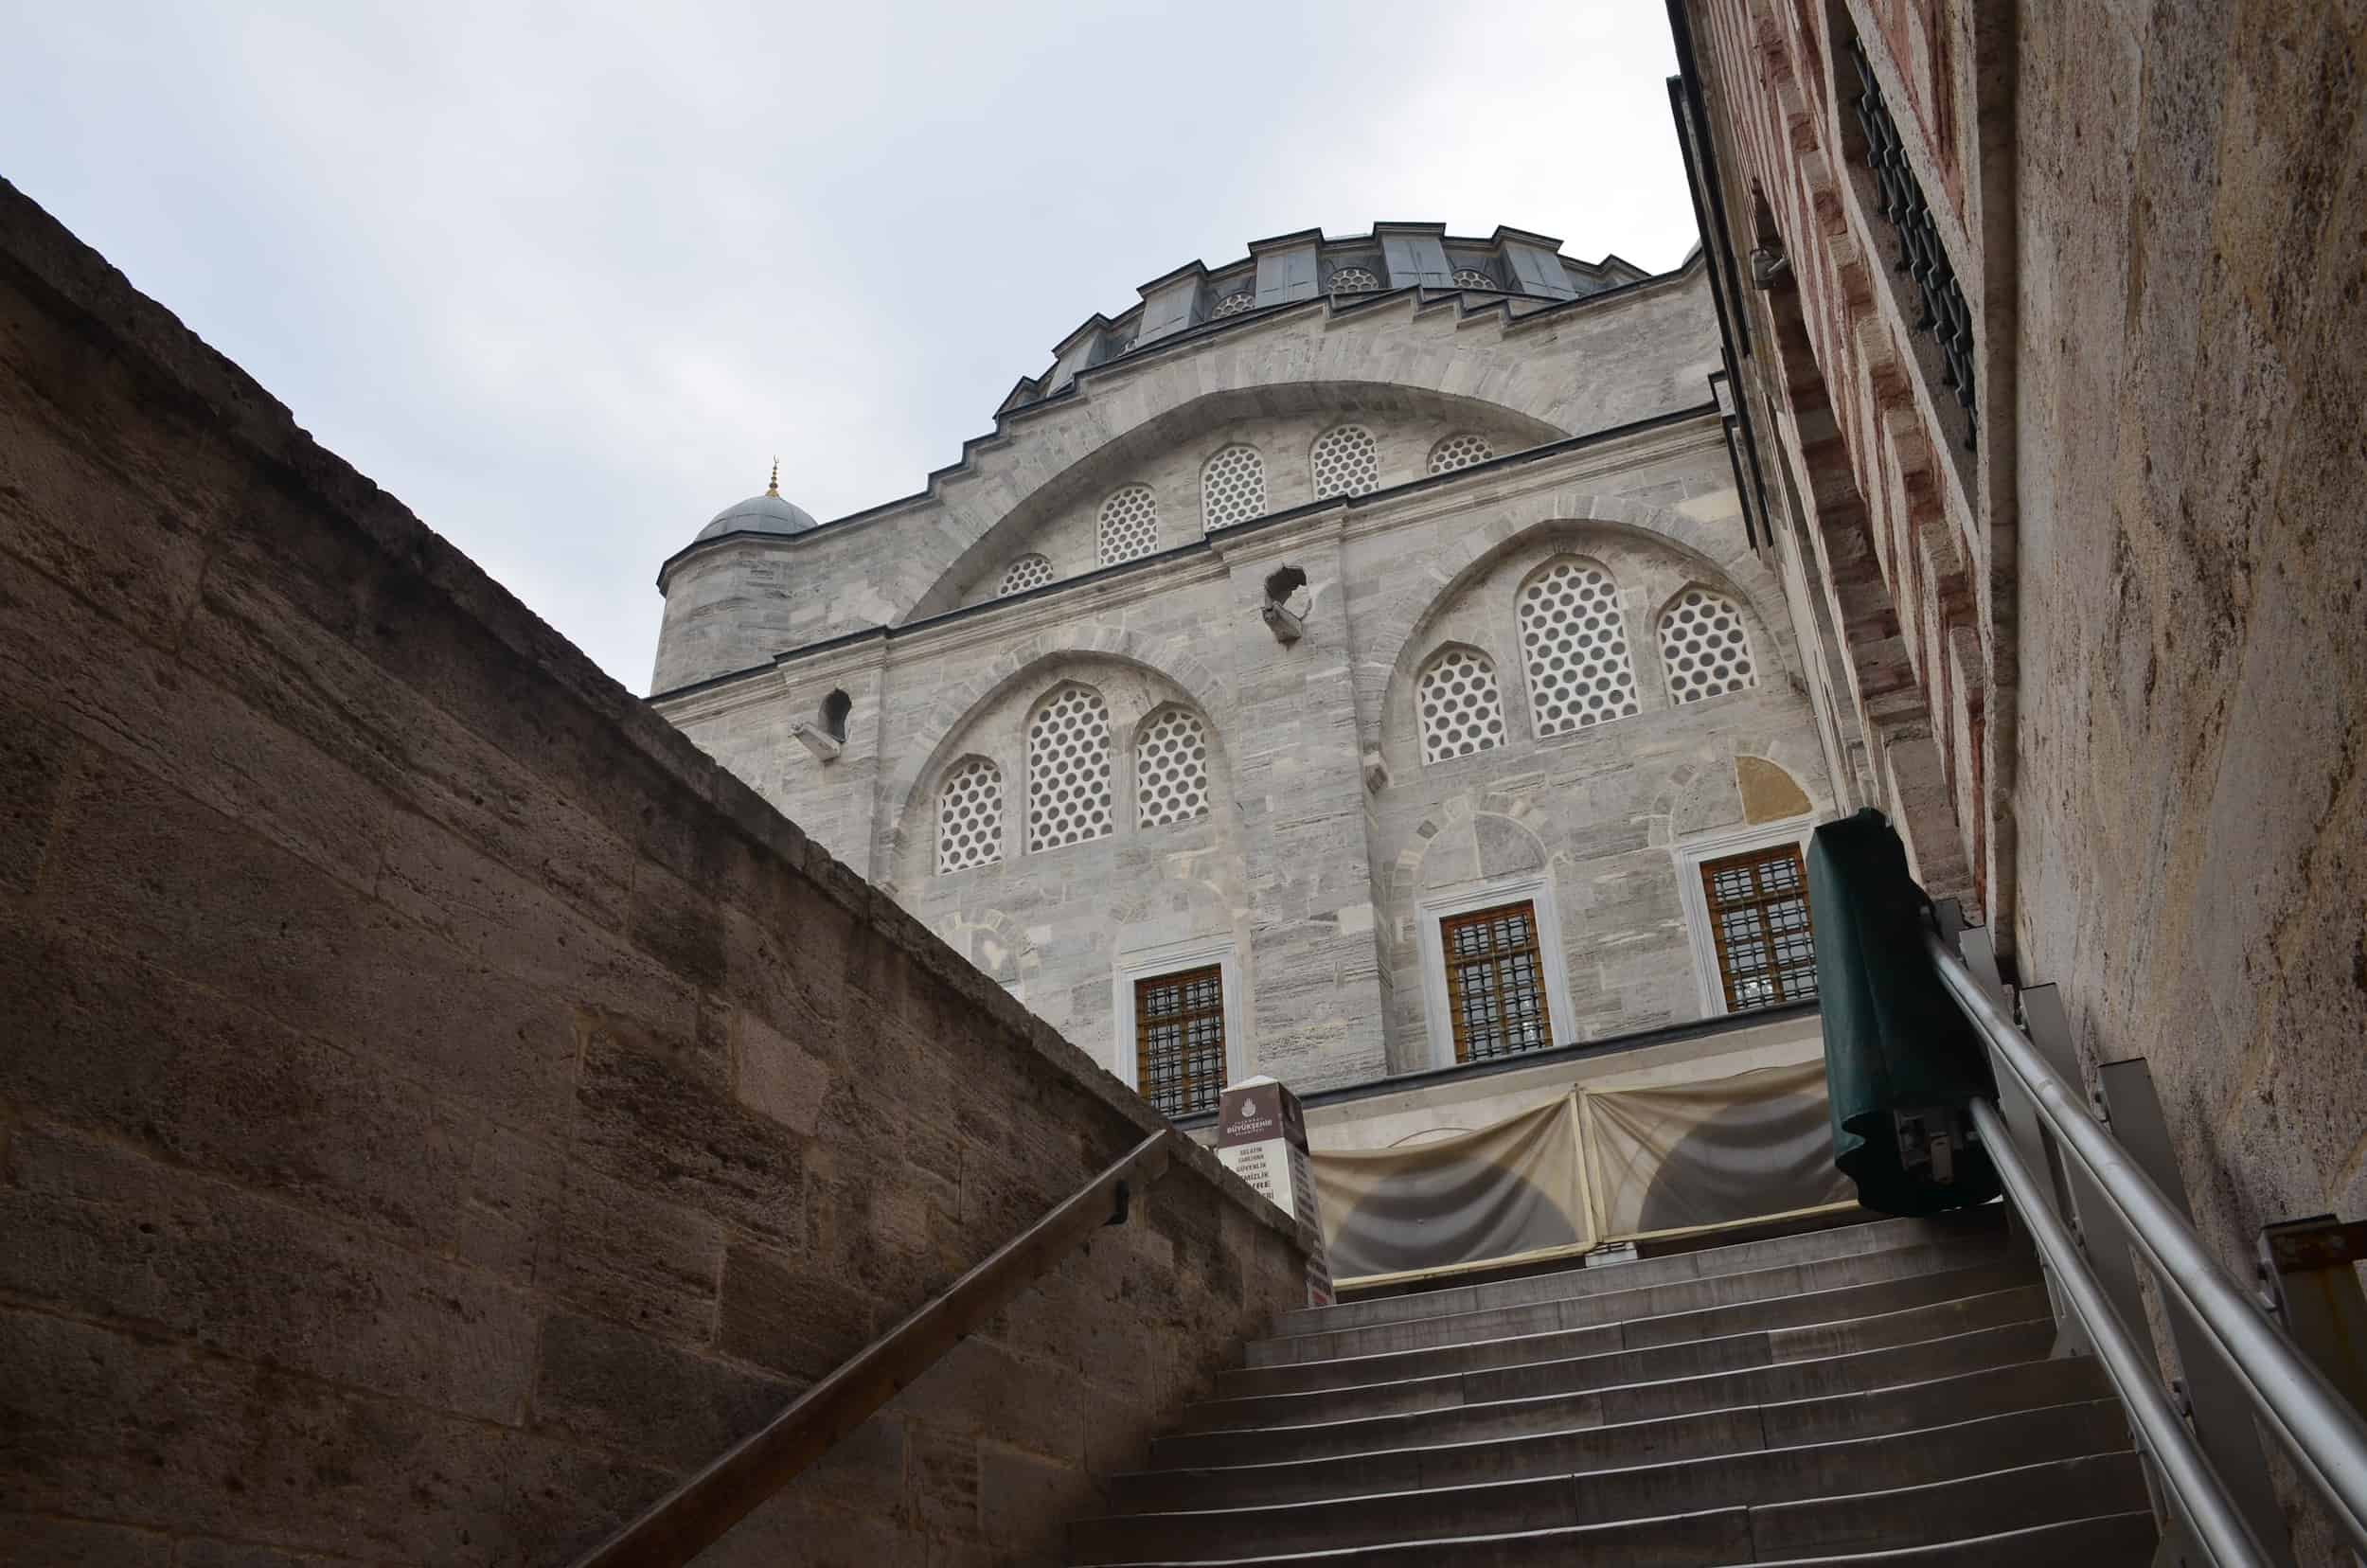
(439, 1106)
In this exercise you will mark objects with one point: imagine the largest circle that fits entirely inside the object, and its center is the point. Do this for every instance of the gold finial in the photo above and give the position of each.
(772, 486)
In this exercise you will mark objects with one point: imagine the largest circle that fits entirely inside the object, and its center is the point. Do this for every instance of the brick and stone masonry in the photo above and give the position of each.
(439, 1106)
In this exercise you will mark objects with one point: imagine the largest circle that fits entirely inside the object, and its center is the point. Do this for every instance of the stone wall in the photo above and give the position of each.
(2156, 552)
(439, 1106)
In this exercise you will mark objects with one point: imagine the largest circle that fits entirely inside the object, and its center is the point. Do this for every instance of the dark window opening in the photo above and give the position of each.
(1495, 982)
(835, 707)
(1179, 1039)
(1758, 905)
(1281, 584)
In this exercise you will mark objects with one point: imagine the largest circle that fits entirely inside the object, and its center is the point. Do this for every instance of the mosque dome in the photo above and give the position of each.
(766, 513)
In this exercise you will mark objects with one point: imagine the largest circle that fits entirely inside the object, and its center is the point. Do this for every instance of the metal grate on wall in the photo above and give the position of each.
(1495, 984)
(1179, 1039)
(1758, 907)
(1921, 255)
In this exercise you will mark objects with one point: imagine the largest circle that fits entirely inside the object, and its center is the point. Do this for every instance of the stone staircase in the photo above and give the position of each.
(1878, 1393)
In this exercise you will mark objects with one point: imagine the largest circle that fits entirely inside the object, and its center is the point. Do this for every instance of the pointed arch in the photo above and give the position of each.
(1343, 461)
(969, 815)
(1127, 525)
(1232, 487)
(1170, 767)
(1028, 571)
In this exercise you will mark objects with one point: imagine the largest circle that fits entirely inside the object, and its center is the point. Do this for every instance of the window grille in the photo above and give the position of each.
(1233, 304)
(1130, 525)
(969, 815)
(1354, 280)
(1028, 571)
(1459, 451)
(1921, 255)
(1471, 277)
(1171, 770)
(1179, 1039)
(1068, 770)
(1704, 647)
(1345, 462)
(1576, 644)
(1758, 908)
(1495, 982)
(1461, 711)
(1232, 488)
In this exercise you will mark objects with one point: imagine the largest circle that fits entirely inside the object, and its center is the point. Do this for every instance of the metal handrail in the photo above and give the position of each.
(694, 1515)
(2204, 1503)
(2317, 1426)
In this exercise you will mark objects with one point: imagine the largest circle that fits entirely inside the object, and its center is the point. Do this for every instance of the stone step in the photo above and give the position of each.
(1558, 1410)
(1744, 1257)
(1748, 1479)
(2109, 1540)
(1684, 1359)
(1647, 1301)
(1836, 1305)
(1576, 1448)
(2079, 1513)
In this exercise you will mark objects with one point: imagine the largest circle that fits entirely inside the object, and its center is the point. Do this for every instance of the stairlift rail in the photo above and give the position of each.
(2317, 1426)
(2209, 1512)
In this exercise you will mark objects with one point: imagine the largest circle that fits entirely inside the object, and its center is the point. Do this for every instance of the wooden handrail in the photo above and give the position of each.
(694, 1515)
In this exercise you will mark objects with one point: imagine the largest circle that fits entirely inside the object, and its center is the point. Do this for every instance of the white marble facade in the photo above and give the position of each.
(1089, 737)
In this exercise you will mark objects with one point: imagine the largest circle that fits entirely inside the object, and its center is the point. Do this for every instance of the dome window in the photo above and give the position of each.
(1343, 462)
(1471, 277)
(1130, 525)
(1354, 280)
(1028, 571)
(1576, 644)
(1233, 304)
(1704, 648)
(1460, 451)
(1171, 770)
(1461, 711)
(1232, 488)
(1068, 770)
(969, 815)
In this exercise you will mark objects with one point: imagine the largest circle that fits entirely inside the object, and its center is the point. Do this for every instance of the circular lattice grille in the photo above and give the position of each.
(1354, 280)
(1704, 648)
(1471, 277)
(1461, 711)
(1130, 525)
(1068, 770)
(1345, 462)
(970, 816)
(1576, 648)
(1233, 487)
(1233, 304)
(1171, 770)
(1028, 571)
(1459, 451)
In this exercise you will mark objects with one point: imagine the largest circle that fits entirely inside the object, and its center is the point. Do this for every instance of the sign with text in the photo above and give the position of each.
(1261, 1138)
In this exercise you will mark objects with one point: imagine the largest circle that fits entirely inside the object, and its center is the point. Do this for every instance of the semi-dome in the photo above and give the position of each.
(766, 513)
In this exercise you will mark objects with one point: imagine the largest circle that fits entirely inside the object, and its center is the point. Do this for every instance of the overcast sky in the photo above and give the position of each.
(566, 278)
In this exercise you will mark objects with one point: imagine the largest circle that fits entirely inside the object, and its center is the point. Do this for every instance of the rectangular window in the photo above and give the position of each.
(1179, 1039)
(1758, 908)
(1495, 982)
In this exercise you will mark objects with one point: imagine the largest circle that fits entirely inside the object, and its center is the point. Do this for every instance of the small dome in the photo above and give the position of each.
(766, 513)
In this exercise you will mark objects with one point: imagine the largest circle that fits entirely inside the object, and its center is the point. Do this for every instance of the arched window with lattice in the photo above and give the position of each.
(1170, 769)
(1068, 768)
(1704, 648)
(1028, 571)
(1343, 462)
(969, 815)
(1459, 705)
(1354, 280)
(1574, 641)
(1233, 304)
(1471, 277)
(1460, 451)
(1232, 488)
(1130, 525)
